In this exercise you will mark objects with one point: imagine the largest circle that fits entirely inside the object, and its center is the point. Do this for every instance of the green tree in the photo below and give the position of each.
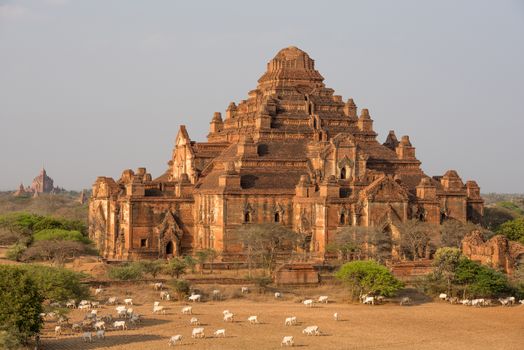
(202, 257)
(495, 216)
(152, 267)
(181, 288)
(175, 267)
(445, 262)
(58, 234)
(190, 262)
(478, 280)
(368, 276)
(127, 272)
(55, 250)
(513, 230)
(20, 306)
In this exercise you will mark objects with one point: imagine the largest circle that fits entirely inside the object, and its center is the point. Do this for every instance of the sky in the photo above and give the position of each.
(90, 88)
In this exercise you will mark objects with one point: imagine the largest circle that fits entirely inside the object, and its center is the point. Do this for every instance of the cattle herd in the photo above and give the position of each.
(93, 326)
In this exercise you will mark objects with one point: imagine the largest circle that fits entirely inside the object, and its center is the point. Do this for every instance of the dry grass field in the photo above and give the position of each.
(432, 325)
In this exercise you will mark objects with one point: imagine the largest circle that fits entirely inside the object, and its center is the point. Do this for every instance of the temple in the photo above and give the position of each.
(292, 153)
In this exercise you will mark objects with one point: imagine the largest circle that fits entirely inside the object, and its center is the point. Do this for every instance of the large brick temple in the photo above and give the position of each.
(294, 153)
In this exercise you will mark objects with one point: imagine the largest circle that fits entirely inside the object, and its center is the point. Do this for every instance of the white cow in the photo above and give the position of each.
(253, 319)
(195, 297)
(323, 299)
(288, 340)
(308, 302)
(466, 302)
(188, 310)
(226, 312)
(101, 334)
(87, 337)
(405, 301)
(443, 296)
(228, 317)
(194, 321)
(311, 330)
(156, 303)
(244, 290)
(71, 304)
(335, 316)
(158, 286)
(290, 321)
(216, 294)
(198, 333)
(128, 301)
(98, 291)
(521, 301)
(159, 309)
(111, 301)
(477, 302)
(120, 324)
(58, 330)
(94, 312)
(220, 332)
(369, 300)
(174, 339)
(278, 295)
(165, 295)
(100, 325)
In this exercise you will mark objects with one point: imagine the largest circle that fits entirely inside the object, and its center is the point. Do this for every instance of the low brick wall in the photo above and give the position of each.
(296, 274)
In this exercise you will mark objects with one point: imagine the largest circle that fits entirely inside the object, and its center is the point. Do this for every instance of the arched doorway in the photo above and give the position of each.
(169, 248)
(343, 173)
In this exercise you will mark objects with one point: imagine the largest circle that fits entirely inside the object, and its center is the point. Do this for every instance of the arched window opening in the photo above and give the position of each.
(169, 248)
(343, 173)
(247, 216)
(277, 217)
(342, 219)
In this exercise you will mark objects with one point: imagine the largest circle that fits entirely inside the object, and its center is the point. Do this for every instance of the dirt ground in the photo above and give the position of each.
(430, 325)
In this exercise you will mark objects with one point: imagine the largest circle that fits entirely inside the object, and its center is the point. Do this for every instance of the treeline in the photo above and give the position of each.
(38, 237)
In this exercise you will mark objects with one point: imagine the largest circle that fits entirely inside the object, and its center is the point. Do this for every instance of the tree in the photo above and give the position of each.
(478, 280)
(152, 267)
(181, 287)
(176, 267)
(202, 257)
(513, 230)
(212, 255)
(20, 306)
(265, 241)
(58, 234)
(55, 250)
(190, 262)
(368, 276)
(453, 231)
(416, 239)
(495, 216)
(446, 261)
(127, 272)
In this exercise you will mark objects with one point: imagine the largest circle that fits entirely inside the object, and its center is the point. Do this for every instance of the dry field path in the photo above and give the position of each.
(426, 326)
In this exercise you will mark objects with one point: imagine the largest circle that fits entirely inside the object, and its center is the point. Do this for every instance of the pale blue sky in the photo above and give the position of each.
(90, 88)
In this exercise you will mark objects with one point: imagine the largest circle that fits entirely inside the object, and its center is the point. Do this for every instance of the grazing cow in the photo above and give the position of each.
(198, 333)
(135, 319)
(174, 339)
(156, 303)
(158, 286)
(323, 299)
(308, 302)
(311, 330)
(94, 312)
(98, 291)
(369, 300)
(194, 321)
(335, 316)
(288, 340)
(188, 310)
(511, 300)
(71, 304)
(220, 332)
(216, 294)
(521, 301)
(58, 330)
(454, 300)
(290, 321)
(159, 309)
(120, 308)
(129, 312)
(128, 301)
(100, 325)
(477, 302)
(507, 301)
(101, 334)
(244, 290)
(228, 317)
(194, 297)
(226, 312)
(111, 301)
(443, 296)
(120, 324)
(253, 319)
(122, 314)
(487, 302)
(87, 337)
(278, 295)
(95, 304)
(405, 301)
(84, 307)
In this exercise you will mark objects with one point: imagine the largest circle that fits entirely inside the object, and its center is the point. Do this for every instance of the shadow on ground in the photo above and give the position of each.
(110, 340)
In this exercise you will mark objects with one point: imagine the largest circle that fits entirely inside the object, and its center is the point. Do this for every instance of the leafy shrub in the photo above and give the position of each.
(126, 272)
(181, 288)
(175, 267)
(57, 284)
(56, 251)
(60, 235)
(513, 230)
(368, 276)
(20, 306)
(152, 267)
(15, 252)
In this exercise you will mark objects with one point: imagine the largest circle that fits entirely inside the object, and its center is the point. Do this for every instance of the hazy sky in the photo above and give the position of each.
(92, 87)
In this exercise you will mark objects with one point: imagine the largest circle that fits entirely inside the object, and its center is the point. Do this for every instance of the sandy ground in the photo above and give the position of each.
(432, 325)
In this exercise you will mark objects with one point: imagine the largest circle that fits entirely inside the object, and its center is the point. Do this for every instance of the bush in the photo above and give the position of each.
(262, 282)
(127, 272)
(60, 235)
(20, 306)
(175, 267)
(513, 230)
(57, 284)
(368, 276)
(152, 267)
(56, 251)
(480, 281)
(181, 288)
(15, 252)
